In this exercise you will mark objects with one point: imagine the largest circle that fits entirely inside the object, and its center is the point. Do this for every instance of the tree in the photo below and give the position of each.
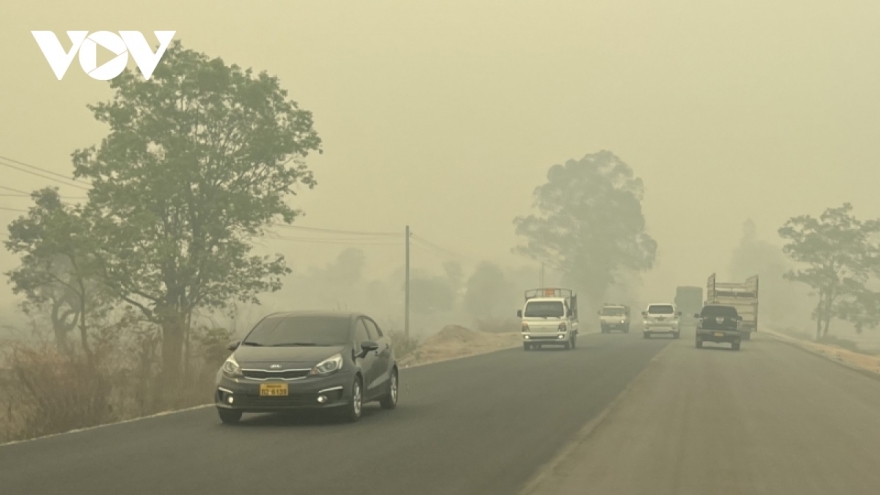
(489, 293)
(589, 224)
(199, 160)
(57, 272)
(840, 257)
(755, 256)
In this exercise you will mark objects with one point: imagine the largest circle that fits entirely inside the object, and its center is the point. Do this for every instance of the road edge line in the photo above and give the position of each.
(87, 428)
(548, 469)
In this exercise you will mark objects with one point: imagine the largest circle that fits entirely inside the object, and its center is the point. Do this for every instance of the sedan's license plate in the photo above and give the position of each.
(719, 334)
(273, 389)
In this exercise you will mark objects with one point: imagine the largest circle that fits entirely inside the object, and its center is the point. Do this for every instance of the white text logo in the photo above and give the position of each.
(86, 44)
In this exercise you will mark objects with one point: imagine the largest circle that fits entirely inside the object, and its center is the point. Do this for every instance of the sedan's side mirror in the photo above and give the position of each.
(739, 318)
(232, 346)
(519, 313)
(696, 315)
(368, 346)
(678, 313)
(644, 313)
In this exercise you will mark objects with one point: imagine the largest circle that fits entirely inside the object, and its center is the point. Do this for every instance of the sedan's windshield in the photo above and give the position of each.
(715, 311)
(612, 311)
(300, 331)
(661, 309)
(545, 309)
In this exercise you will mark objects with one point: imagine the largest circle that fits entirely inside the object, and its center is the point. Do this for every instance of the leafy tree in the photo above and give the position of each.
(589, 224)
(489, 293)
(57, 272)
(840, 257)
(199, 160)
(756, 256)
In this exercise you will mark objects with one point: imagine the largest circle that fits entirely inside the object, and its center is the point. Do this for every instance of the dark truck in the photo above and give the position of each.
(718, 324)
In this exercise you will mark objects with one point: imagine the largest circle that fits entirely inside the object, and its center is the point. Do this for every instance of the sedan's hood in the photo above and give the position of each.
(308, 356)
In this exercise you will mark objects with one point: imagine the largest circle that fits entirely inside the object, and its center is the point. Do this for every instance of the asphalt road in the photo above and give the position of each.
(767, 419)
(480, 425)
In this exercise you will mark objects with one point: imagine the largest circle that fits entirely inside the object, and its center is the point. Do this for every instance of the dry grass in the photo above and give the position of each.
(454, 342)
(43, 392)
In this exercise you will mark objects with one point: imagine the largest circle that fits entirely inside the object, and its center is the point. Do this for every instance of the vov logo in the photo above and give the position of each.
(123, 44)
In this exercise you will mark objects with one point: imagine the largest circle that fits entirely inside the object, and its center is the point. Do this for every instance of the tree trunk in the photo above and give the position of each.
(820, 311)
(172, 352)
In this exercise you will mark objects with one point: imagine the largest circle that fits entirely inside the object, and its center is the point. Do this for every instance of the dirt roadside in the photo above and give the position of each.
(834, 353)
(455, 342)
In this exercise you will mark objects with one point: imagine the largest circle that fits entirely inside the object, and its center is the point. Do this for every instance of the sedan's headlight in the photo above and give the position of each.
(328, 366)
(231, 367)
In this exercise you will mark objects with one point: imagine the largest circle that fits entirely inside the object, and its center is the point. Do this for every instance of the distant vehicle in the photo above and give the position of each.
(662, 318)
(689, 300)
(742, 296)
(614, 317)
(308, 360)
(549, 317)
(719, 324)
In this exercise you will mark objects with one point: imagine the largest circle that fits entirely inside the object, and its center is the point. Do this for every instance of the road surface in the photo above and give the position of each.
(767, 419)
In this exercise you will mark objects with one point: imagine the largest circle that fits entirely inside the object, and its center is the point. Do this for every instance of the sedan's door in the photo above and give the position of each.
(384, 361)
(368, 364)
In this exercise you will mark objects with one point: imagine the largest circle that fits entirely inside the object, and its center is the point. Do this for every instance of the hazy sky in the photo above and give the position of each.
(447, 114)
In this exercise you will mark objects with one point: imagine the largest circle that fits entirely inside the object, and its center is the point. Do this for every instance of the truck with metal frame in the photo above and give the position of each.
(742, 296)
(549, 317)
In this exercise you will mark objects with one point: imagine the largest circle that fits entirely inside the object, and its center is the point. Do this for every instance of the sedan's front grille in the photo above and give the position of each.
(282, 374)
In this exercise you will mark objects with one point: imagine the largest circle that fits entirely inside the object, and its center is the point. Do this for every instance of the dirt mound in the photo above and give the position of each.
(452, 333)
(455, 341)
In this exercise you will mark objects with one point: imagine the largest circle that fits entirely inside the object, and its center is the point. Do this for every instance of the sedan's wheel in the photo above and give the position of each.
(567, 345)
(353, 411)
(675, 335)
(527, 347)
(735, 346)
(646, 334)
(390, 399)
(228, 416)
(573, 341)
(699, 344)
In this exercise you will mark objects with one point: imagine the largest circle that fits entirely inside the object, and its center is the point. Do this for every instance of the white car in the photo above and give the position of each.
(662, 318)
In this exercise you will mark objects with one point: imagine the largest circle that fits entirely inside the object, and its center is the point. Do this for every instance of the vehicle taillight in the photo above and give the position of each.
(525, 327)
(562, 327)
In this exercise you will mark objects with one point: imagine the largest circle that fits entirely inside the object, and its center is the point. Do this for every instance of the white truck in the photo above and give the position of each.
(742, 296)
(614, 317)
(549, 317)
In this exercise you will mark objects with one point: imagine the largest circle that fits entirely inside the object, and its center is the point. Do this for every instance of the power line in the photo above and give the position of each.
(334, 231)
(42, 169)
(15, 190)
(334, 241)
(444, 250)
(13, 209)
(43, 176)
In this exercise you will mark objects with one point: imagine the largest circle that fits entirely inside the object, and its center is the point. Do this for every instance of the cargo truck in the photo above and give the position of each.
(742, 296)
(549, 317)
(614, 317)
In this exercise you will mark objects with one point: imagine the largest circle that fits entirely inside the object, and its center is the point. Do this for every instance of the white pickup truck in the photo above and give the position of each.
(614, 317)
(549, 317)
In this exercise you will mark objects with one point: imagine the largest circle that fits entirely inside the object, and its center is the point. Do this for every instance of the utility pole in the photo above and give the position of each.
(406, 300)
(542, 274)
